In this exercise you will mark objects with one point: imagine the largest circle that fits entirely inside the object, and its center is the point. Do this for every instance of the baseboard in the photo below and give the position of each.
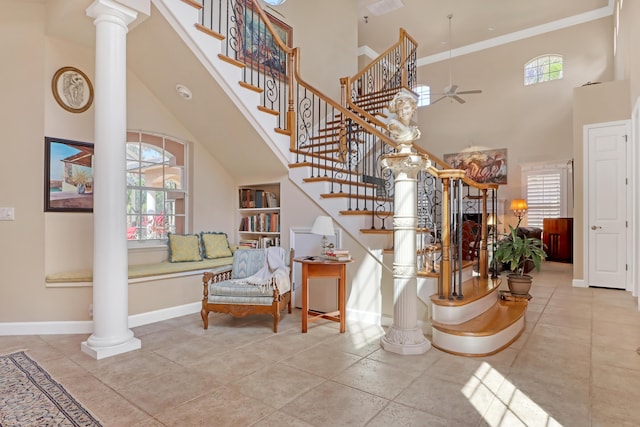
(578, 283)
(86, 326)
(164, 314)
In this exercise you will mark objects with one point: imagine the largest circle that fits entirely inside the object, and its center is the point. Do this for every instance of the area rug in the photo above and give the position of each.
(29, 397)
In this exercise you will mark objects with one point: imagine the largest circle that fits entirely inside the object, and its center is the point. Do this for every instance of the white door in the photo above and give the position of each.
(606, 213)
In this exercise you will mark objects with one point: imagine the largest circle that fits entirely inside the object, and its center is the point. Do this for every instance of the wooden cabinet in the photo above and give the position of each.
(557, 235)
(259, 215)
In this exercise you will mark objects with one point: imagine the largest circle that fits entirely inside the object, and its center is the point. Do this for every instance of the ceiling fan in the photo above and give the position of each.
(451, 91)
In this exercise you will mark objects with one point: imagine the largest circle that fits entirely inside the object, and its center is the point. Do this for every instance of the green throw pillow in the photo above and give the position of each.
(184, 248)
(215, 245)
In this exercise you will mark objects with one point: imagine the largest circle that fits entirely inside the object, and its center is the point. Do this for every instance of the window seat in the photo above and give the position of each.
(139, 272)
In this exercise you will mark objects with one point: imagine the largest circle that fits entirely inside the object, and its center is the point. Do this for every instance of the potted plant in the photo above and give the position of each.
(517, 252)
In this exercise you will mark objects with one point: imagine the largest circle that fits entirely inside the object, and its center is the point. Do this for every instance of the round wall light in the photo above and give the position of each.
(274, 2)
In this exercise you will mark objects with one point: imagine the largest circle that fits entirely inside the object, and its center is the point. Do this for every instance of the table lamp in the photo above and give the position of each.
(323, 226)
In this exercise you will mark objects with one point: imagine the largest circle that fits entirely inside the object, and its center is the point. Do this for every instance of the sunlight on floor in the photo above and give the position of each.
(507, 405)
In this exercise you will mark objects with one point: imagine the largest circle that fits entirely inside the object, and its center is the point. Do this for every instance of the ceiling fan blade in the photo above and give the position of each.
(457, 98)
(439, 99)
(466, 92)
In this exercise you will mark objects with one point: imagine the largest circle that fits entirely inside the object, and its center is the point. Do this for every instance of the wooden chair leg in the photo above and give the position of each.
(205, 318)
(276, 319)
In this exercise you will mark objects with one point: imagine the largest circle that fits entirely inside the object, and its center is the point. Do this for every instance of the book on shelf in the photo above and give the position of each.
(271, 199)
(248, 243)
(250, 198)
(259, 197)
(261, 223)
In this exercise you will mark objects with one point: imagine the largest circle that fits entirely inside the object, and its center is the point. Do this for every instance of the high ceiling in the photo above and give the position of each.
(473, 21)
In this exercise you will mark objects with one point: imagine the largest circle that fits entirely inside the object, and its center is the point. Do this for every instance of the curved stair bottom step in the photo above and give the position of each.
(485, 335)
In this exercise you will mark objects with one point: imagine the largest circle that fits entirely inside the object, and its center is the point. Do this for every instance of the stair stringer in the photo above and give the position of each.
(182, 17)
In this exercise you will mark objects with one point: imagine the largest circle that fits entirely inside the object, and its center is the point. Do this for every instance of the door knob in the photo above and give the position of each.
(595, 227)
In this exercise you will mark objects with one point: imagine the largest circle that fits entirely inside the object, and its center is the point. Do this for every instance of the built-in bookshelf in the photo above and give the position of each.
(259, 215)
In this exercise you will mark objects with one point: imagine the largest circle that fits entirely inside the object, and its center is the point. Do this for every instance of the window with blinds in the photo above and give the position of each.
(546, 193)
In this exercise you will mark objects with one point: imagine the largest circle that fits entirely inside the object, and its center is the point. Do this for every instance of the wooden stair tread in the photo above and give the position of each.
(339, 182)
(355, 196)
(502, 315)
(472, 290)
(366, 212)
(321, 166)
(376, 231)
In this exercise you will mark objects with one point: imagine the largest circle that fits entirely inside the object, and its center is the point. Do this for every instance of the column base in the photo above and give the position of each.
(102, 352)
(405, 341)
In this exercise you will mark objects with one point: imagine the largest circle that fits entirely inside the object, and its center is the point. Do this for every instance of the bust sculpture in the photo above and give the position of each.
(403, 105)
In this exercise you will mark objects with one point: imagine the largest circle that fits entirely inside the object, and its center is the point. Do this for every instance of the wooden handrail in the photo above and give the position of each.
(403, 34)
(346, 112)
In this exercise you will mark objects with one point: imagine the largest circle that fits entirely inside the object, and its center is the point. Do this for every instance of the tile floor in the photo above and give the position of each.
(575, 365)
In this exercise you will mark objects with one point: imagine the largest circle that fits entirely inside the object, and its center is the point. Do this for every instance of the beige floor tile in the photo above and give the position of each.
(545, 400)
(619, 380)
(377, 378)
(221, 407)
(615, 357)
(395, 414)
(280, 419)
(120, 372)
(418, 362)
(321, 360)
(331, 404)
(226, 368)
(168, 390)
(567, 334)
(277, 384)
(614, 408)
(464, 403)
(558, 367)
(565, 320)
(111, 408)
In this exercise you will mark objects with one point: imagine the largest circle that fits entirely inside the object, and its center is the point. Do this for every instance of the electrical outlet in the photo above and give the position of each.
(91, 311)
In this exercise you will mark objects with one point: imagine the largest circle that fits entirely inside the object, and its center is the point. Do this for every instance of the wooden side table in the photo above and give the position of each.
(318, 267)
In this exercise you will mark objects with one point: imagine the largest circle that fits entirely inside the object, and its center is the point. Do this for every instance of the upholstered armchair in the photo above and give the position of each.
(258, 282)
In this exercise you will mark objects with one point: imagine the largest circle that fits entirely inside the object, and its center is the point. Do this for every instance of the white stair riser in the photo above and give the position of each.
(478, 345)
(463, 313)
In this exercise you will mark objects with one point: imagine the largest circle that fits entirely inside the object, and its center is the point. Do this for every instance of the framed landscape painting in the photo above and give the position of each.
(257, 47)
(68, 185)
(483, 166)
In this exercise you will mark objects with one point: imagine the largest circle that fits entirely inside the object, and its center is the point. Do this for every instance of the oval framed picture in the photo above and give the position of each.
(72, 89)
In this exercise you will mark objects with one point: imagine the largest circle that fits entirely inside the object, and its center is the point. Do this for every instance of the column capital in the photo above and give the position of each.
(119, 10)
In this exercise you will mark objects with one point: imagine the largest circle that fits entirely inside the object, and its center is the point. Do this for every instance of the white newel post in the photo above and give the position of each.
(404, 336)
(111, 333)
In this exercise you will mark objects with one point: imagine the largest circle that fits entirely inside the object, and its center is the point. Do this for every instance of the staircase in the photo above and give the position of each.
(333, 150)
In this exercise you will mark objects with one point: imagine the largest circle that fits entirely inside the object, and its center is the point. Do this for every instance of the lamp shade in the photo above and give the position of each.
(323, 226)
(519, 205)
(492, 219)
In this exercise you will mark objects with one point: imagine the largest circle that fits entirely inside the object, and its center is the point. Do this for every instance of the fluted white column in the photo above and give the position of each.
(111, 333)
(404, 336)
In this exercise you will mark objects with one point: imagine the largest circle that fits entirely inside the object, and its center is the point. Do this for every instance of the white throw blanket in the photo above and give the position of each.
(274, 267)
